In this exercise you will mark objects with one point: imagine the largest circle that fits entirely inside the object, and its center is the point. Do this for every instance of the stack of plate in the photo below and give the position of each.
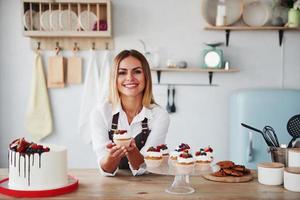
(257, 13)
(65, 20)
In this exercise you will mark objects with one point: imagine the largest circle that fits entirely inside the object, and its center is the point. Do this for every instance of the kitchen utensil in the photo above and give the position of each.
(259, 131)
(293, 127)
(294, 157)
(55, 75)
(168, 101)
(271, 135)
(173, 107)
(279, 155)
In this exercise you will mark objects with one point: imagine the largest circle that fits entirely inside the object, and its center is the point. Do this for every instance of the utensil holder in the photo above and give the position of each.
(279, 155)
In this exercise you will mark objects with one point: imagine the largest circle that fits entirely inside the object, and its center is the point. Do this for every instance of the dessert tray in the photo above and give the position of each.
(181, 183)
(71, 186)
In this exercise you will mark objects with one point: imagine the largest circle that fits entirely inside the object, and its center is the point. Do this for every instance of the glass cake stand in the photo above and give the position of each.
(181, 183)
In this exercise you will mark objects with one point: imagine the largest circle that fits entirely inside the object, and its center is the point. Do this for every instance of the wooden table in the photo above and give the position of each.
(126, 187)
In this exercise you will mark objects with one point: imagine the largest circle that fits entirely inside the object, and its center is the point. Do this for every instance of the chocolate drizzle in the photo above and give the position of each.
(25, 150)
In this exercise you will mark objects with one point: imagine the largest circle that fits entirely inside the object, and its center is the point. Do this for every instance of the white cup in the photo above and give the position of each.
(292, 179)
(270, 173)
(294, 157)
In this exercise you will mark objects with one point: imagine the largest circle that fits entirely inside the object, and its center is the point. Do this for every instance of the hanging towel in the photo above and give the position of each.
(105, 75)
(90, 97)
(38, 120)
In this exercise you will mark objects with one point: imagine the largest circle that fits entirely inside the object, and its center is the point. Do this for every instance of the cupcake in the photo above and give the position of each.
(153, 157)
(204, 158)
(185, 163)
(174, 154)
(122, 138)
(165, 151)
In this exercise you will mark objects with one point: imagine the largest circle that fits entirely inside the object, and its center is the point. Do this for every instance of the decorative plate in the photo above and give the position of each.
(256, 13)
(27, 19)
(87, 19)
(68, 20)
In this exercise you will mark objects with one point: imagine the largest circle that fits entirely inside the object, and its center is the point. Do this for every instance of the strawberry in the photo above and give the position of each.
(47, 149)
(121, 132)
(22, 146)
(184, 146)
(34, 146)
(208, 149)
(154, 149)
(14, 144)
(185, 155)
(198, 153)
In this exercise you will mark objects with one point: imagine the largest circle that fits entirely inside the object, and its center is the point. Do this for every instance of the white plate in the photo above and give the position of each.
(54, 20)
(256, 13)
(68, 20)
(87, 19)
(45, 20)
(27, 19)
(234, 10)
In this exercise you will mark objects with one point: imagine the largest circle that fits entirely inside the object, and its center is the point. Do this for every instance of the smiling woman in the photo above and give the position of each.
(131, 111)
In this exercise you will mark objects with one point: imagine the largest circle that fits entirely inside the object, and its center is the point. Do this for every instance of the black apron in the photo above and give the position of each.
(140, 139)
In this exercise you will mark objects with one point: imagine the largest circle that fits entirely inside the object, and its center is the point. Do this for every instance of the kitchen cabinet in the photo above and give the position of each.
(228, 29)
(210, 72)
(68, 23)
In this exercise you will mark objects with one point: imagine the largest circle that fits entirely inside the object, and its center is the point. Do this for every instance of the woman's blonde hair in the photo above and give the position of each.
(114, 97)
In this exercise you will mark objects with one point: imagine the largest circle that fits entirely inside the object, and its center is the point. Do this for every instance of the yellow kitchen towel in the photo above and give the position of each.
(38, 122)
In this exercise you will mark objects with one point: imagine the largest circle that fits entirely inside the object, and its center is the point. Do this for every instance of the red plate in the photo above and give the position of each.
(70, 187)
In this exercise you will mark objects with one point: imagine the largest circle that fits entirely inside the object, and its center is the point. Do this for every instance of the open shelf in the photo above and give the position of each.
(210, 71)
(227, 30)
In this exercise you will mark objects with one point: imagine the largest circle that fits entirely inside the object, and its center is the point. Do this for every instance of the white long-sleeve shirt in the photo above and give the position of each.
(101, 119)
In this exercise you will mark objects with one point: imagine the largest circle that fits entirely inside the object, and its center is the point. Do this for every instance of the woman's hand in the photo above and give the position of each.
(111, 161)
(134, 156)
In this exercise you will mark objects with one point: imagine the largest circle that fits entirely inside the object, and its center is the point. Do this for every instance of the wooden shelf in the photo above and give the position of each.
(37, 34)
(210, 71)
(227, 30)
(249, 28)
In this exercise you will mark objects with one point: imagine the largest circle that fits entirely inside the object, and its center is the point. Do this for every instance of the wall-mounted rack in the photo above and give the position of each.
(210, 72)
(227, 30)
(85, 23)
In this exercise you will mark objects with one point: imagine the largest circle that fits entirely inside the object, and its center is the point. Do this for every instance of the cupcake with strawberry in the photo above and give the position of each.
(174, 154)
(122, 138)
(165, 151)
(153, 157)
(185, 163)
(204, 157)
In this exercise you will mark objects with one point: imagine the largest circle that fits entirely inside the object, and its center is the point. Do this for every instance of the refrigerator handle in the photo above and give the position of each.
(250, 148)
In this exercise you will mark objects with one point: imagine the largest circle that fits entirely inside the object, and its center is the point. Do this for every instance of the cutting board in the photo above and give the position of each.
(228, 179)
(74, 70)
(56, 76)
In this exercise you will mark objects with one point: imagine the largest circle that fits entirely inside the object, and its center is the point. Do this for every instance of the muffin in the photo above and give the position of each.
(185, 163)
(204, 158)
(153, 157)
(122, 138)
(165, 152)
(174, 154)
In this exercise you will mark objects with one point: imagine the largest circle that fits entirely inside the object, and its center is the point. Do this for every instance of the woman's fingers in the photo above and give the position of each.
(120, 152)
(110, 145)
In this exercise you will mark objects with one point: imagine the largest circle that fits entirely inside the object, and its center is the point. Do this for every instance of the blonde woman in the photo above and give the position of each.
(131, 107)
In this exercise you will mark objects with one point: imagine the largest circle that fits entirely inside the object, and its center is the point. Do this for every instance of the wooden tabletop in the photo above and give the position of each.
(126, 187)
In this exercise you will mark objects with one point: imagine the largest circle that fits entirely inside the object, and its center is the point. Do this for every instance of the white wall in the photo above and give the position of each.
(176, 29)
